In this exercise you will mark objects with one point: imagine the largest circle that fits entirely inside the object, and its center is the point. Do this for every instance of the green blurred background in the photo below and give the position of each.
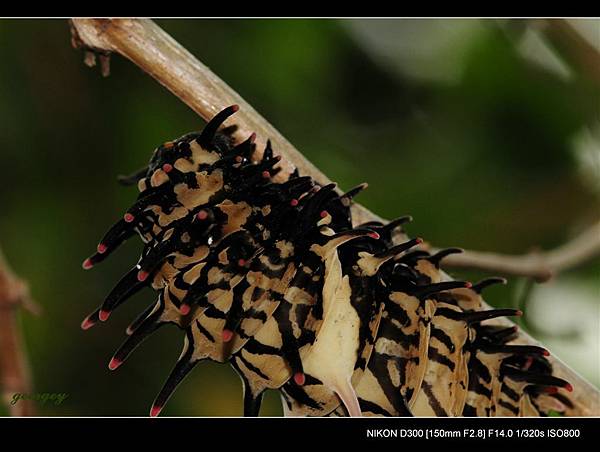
(485, 131)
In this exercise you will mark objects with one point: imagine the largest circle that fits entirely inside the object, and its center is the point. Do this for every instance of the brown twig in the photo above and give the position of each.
(572, 46)
(540, 266)
(14, 369)
(157, 53)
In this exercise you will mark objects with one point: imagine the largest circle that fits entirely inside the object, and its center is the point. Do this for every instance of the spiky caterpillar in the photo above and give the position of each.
(272, 277)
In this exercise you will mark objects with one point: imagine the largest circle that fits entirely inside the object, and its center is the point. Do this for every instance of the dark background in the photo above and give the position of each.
(488, 141)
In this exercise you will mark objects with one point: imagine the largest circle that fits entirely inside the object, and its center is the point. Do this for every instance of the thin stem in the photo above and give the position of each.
(540, 266)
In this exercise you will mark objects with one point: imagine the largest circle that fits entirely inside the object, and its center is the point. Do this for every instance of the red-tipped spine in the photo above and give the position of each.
(103, 315)
(227, 335)
(299, 378)
(155, 410)
(86, 324)
(114, 363)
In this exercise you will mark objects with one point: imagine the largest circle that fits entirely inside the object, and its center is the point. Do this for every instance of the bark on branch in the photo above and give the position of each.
(158, 54)
(540, 266)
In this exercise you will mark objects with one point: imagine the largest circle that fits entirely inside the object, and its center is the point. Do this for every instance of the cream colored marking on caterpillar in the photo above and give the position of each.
(419, 314)
(202, 156)
(333, 355)
(264, 304)
(428, 269)
(273, 366)
(184, 165)
(370, 264)
(158, 178)
(484, 405)
(369, 389)
(296, 295)
(165, 220)
(264, 260)
(193, 274)
(182, 261)
(237, 215)
(162, 277)
(286, 249)
(445, 382)
(367, 351)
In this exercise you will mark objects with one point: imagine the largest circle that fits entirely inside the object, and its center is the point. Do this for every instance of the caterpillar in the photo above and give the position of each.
(270, 275)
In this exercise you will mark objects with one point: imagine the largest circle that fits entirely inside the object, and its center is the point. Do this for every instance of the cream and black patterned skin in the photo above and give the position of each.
(273, 278)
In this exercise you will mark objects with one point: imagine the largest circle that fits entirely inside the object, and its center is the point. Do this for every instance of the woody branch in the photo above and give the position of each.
(538, 265)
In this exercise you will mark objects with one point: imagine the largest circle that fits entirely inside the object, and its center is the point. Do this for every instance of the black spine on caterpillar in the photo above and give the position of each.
(269, 274)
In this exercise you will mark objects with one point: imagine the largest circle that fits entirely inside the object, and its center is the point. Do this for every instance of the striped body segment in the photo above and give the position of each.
(273, 278)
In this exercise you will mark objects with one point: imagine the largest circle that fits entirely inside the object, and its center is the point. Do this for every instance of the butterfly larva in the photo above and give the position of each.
(273, 278)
